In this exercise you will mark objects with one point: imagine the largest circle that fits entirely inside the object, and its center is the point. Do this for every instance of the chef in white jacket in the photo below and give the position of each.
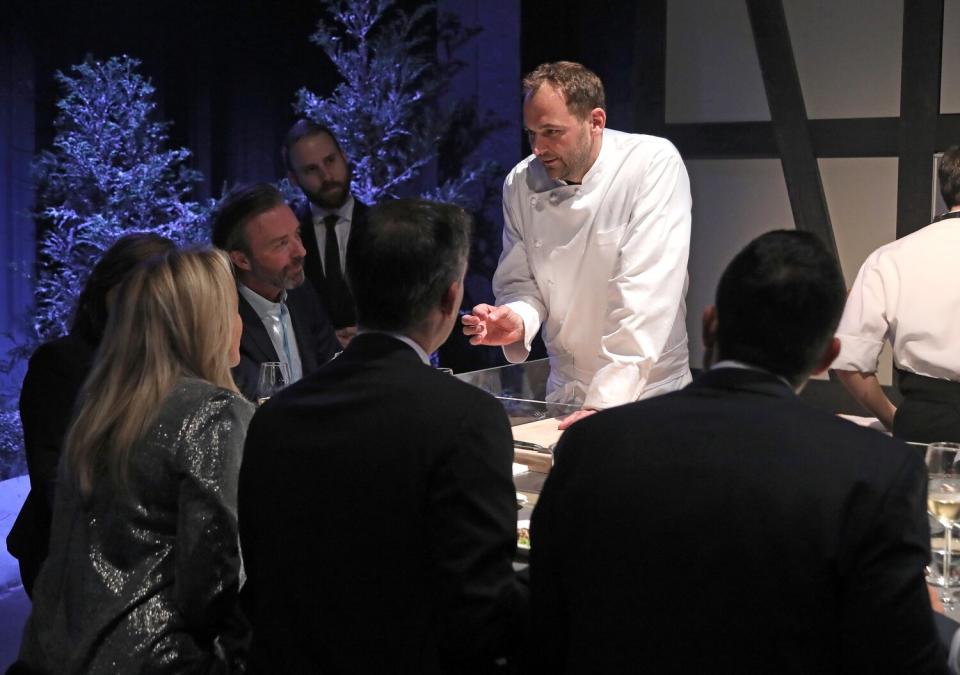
(595, 246)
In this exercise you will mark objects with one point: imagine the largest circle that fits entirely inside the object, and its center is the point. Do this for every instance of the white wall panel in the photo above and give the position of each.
(712, 70)
(862, 198)
(950, 63)
(848, 55)
(733, 202)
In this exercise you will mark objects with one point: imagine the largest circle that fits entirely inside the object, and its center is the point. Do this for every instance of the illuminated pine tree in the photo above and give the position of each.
(109, 173)
(388, 111)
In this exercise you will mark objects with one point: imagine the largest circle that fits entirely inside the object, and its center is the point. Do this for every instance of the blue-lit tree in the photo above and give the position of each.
(109, 173)
(389, 112)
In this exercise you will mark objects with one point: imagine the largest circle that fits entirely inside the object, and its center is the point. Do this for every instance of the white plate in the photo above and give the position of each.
(523, 525)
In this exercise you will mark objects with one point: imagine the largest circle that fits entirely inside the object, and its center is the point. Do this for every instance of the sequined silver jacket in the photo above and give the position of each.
(147, 581)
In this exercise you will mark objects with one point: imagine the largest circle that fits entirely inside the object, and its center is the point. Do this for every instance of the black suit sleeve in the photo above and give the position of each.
(473, 513)
(50, 388)
(326, 344)
(885, 616)
(548, 624)
(245, 375)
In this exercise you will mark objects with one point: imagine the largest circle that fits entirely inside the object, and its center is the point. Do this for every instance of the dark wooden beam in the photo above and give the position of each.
(723, 140)
(919, 111)
(649, 66)
(789, 116)
(861, 137)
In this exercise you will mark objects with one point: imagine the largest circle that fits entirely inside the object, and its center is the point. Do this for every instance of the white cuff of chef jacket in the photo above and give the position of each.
(519, 351)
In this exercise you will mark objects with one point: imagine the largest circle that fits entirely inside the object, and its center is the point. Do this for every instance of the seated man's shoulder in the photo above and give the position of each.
(303, 296)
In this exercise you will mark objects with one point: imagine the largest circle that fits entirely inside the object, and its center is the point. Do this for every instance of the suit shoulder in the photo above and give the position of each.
(304, 295)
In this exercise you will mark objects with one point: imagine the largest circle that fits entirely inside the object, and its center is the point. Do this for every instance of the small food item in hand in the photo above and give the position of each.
(523, 537)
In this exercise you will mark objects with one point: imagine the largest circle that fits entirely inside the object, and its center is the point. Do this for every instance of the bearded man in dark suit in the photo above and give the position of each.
(282, 317)
(330, 216)
(729, 527)
(376, 505)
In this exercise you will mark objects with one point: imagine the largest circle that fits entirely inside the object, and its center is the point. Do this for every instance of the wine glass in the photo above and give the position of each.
(274, 376)
(943, 502)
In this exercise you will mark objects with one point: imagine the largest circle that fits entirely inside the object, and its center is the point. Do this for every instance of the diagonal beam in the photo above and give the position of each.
(789, 116)
(919, 111)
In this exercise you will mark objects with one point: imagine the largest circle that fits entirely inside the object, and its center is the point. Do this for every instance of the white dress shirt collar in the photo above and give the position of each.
(731, 363)
(404, 339)
(261, 305)
(344, 212)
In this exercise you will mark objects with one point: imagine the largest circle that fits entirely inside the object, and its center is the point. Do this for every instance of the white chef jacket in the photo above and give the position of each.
(907, 292)
(603, 267)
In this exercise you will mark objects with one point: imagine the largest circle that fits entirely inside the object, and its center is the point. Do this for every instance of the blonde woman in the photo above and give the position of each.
(143, 569)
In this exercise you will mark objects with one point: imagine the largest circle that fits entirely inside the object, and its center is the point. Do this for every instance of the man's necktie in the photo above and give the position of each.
(331, 255)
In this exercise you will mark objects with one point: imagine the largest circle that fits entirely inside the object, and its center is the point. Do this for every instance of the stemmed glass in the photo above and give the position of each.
(943, 501)
(274, 376)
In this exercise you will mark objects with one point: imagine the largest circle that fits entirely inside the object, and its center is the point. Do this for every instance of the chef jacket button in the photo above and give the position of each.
(533, 201)
(554, 198)
(537, 243)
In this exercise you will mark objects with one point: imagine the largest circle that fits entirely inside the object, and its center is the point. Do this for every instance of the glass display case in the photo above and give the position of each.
(521, 388)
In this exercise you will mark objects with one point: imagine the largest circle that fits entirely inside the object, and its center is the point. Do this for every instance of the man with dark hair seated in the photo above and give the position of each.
(283, 320)
(377, 508)
(729, 527)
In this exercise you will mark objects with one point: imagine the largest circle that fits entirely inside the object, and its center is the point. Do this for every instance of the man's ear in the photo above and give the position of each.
(709, 328)
(240, 260)
(598, 120)
(450, 301)
(829, 356)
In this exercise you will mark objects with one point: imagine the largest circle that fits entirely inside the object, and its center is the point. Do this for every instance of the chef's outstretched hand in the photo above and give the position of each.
(575, 416)
(493, 326)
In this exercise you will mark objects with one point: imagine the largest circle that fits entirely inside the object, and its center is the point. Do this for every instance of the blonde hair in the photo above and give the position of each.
(173, 318)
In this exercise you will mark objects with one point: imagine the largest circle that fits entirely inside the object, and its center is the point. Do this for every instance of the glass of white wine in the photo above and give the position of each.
(943, 502)
(274, 376)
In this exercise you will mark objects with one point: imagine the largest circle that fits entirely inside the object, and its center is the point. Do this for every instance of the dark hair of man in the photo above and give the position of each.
(123, 257)
(778, 304)
(234, 211)
(581, 88)
(949, 174)
(301, 129)
(410, 252)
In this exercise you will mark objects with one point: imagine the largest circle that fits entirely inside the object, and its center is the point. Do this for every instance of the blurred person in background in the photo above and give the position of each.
(144, 567)
(54, 376)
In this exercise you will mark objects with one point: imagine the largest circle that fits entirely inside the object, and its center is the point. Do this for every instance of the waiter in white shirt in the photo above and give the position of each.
(595, 246)
(908, 293)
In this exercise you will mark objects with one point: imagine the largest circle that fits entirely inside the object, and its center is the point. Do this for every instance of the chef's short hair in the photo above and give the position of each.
(779, 302)
(403, 260)
(949, 174)
(581, 88)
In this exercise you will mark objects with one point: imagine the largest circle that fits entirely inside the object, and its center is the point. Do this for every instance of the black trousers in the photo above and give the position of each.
(930, 411)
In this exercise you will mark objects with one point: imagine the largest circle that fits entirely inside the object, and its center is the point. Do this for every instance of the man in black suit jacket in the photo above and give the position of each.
(282, 318)
(330, 217)
(377, 509)
(729, 527)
